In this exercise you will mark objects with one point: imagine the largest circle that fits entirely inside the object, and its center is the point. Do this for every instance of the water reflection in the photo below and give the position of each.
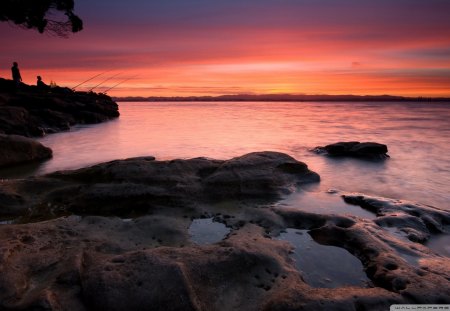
(323, 203)
(440, 244)
(324, 266)
(417, 135)
(207, 231)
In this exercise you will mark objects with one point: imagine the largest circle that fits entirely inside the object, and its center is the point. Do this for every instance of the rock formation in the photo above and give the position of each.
(417, 221)
(31, 112)
(69, 247)
(367, 150)
(16, 149)
(139, 185)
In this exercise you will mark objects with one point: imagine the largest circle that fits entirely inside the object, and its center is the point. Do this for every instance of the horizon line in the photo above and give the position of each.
(282, 97)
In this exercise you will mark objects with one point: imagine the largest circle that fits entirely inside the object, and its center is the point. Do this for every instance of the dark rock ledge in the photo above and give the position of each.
(102, 262)
(139, 185)
(32, 112)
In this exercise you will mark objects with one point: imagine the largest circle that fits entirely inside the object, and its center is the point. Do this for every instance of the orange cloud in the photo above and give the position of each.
(362, 49)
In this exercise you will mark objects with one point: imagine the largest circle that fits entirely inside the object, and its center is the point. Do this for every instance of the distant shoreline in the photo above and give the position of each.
(283, 98)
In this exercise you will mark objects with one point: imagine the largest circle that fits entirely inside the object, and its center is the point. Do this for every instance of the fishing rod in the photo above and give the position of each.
(123, 81)
(104, 81)
(89, 79)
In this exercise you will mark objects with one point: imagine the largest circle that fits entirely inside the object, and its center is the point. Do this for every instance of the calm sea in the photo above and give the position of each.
(417, 135)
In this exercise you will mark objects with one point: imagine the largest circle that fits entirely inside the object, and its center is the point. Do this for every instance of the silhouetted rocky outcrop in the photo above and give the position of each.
(30, 111)
(368, 150)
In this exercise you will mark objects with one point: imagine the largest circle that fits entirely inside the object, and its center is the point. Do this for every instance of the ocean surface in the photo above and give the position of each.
(417, 135)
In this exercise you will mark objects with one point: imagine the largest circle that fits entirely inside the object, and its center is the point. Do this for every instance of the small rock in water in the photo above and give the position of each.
(366, 150)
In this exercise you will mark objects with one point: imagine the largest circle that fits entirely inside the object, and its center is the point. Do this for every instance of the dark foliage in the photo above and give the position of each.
(51, 16)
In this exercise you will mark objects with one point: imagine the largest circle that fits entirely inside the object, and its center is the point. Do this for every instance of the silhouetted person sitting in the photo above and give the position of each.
(17, 78)
(41, 85)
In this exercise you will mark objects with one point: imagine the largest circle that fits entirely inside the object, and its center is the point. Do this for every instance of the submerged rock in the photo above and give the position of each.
(16, 149)
(368, 150)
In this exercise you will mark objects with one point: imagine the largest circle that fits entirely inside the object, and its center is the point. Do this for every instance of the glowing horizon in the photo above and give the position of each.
(196, 48)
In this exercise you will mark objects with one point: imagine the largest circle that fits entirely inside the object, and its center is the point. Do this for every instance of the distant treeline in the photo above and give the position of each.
(287, 97)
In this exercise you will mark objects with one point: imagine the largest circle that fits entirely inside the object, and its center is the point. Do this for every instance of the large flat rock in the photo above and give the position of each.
(115, 236)
(139, 185)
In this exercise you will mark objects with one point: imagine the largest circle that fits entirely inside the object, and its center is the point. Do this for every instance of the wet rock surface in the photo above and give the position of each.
(15, 149)
(416, 220)
(31, 112)
(142, 185)
(365, 150)
(99, 261)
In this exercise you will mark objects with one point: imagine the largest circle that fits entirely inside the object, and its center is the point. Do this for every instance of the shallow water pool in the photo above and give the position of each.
(322, 265)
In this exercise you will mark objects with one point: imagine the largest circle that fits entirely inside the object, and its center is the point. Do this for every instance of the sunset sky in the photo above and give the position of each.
(206, 47)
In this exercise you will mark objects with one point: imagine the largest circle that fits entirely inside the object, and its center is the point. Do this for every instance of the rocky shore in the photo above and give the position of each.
(115, 236)
(32, 112)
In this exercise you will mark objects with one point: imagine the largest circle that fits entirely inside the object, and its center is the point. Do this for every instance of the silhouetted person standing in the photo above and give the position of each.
(17, 78)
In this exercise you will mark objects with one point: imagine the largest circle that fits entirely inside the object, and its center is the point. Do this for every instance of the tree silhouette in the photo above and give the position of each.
(52, 16)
